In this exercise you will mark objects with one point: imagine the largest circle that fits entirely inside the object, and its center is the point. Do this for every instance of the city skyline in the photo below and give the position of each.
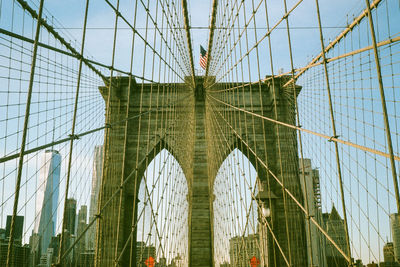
(312, 176)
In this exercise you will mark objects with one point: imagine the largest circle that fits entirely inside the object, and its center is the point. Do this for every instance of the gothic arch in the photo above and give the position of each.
(154, 152)
(194, 141)
(162, 197)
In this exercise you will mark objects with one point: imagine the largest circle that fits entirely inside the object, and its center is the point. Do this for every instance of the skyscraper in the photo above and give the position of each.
(81, 245)
(47, 197)
(19, 224)
(395, 225)
(334, 226)
(34, 244)
(70, 215)
(311, 193)
(388, 252)
(96, 182)
(82, 218)
(20, 254)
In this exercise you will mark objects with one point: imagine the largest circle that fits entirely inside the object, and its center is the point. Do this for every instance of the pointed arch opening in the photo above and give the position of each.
(162, 213)
(235, 209)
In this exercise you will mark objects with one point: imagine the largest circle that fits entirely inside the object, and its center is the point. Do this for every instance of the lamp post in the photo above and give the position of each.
(266, 202)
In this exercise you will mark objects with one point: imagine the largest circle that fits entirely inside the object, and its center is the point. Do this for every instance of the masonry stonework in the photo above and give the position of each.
(190, 133)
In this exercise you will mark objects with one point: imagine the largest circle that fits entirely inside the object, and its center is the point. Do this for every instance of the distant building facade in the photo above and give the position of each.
(388, 256)
(34, 244)
(335, 228)
(86, 259)
(47, 258)
(70, 215)
(242, 249)
(395, 226)
(388, 252)
(18, 228)
(311, 191)
(47, 197)
(21, 254)
(81, 245)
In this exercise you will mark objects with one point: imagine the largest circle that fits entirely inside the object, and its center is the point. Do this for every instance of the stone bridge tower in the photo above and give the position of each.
(189, 135)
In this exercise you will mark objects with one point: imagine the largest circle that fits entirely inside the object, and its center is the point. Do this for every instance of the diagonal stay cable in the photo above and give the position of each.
(332, 44)
(389, 41)
(145, 41)
(252, 193)
(109, 201)
(257, 43)
(287, 190)
(51, 30)
(329, 138)
(24, 137)
(124, 247)
(77, 136)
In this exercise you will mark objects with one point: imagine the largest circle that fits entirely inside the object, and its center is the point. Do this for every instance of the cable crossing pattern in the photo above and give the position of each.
(118, 149)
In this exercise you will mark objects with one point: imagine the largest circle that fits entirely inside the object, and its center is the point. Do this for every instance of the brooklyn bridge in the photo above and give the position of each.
(199, 133)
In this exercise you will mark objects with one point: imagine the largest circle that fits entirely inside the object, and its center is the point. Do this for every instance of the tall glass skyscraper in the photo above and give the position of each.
(47, 197)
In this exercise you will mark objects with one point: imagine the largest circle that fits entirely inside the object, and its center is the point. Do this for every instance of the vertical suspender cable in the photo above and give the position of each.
(309, 237)
(106, 139)
(117, 258)
(24, 134)
(132, 251)
(64, 224)
(274, 99)
(211, 36)
(188, 38)
(346, 228)
(384, 109)
(278, 139)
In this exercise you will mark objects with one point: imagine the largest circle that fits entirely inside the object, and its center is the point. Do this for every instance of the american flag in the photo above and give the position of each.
(203, 57)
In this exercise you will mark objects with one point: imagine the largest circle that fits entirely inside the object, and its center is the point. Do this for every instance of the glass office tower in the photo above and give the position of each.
(47, 197)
